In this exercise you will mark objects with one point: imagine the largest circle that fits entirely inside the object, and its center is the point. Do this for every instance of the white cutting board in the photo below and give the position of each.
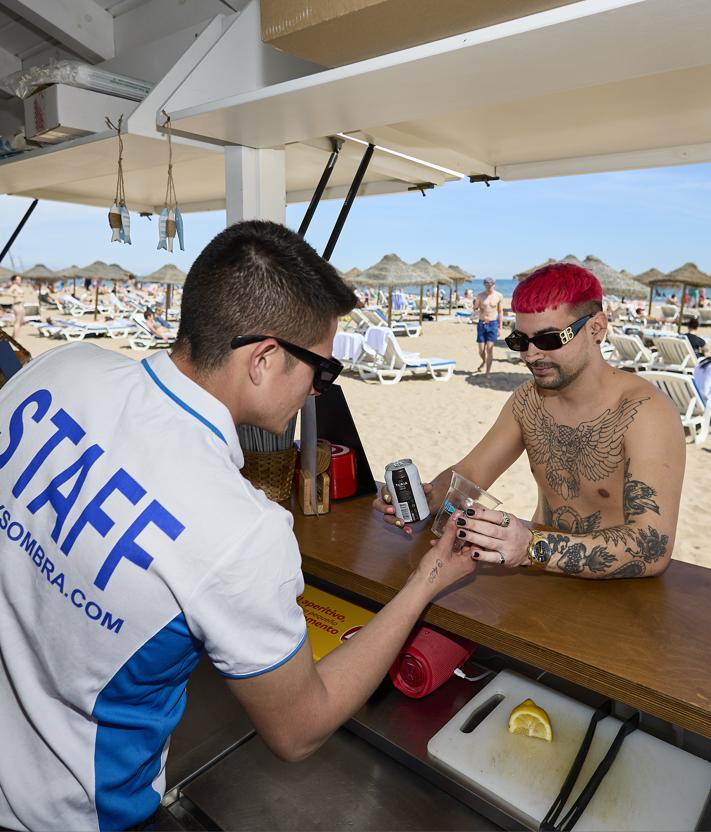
(651, 786)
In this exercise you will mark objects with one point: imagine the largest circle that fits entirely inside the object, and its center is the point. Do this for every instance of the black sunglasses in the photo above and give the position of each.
(546, 341)
(326, 370)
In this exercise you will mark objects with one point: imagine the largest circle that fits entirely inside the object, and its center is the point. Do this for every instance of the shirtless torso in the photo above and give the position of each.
(488, 305)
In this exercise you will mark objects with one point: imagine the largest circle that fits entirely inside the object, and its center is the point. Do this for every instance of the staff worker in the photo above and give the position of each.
(610, 503)
(130, 543)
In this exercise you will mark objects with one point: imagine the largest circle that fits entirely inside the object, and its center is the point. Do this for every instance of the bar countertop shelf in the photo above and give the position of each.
(643, 641)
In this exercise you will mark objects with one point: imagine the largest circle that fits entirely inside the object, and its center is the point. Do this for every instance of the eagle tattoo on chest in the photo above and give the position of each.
(592, 450)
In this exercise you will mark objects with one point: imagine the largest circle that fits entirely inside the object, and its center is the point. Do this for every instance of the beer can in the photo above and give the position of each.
(402, 480)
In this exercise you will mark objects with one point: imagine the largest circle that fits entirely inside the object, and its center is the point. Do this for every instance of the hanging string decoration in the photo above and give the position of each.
(119, 217)
(170, 221)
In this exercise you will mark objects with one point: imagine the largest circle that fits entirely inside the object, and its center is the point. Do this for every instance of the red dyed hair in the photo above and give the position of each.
(551, 286)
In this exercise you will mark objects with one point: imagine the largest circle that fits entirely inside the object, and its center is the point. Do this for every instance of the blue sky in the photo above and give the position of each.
(633, 220)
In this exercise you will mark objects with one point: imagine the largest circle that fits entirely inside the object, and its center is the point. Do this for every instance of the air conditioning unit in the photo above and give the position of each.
(60, 112)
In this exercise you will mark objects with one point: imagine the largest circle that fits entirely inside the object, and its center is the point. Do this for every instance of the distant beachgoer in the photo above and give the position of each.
(18, 304)
(489, 304)
(672, 300)
(155, 328)
(697, 342)
(161, 318)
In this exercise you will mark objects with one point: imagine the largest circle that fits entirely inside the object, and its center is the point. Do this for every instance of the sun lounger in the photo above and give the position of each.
(144, 339)
(364, 318)
(75, 330)
(71, 306)
(694, 411)
(669, 313)
(630, 352)
(704, 316)
(389, 364)
(675, 353)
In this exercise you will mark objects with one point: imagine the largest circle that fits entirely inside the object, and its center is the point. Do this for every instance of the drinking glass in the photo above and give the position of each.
(461, 495)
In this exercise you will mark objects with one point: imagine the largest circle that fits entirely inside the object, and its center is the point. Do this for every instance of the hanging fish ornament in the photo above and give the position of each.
(179, 227)
(166, 229)
(119, 216)
(115, 223)
(171, 221)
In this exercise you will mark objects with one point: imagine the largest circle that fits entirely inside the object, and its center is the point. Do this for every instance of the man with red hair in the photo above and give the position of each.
(608, 488)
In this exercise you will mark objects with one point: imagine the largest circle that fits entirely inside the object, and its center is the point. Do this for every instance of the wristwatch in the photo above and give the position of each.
(539, 550)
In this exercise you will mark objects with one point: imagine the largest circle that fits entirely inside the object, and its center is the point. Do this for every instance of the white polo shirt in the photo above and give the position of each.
(129, 541)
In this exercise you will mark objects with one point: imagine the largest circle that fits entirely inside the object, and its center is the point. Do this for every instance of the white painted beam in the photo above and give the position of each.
(9, 63)
(82, 25)
(606, 162)
(255, 184)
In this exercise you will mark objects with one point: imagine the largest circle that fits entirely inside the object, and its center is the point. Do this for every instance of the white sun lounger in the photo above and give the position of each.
(144, 339)
(694, 411)
(675, 353)
(364, 318)
(390, 364)
(75, 330)
(630, 352)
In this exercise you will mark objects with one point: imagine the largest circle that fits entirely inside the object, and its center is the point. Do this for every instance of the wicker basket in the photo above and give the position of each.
(273, 472)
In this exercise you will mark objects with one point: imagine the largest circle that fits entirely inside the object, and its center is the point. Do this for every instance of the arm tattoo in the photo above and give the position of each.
(592, 450)
(574, 556)
(435, 571)
(637, 499)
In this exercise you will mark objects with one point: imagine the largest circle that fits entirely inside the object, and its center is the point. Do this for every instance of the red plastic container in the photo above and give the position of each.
(427, 660)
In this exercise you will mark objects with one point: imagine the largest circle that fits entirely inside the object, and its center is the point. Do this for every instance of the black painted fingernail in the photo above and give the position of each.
(475, 555)
(471, 512)
(461, 533)
(461, 521)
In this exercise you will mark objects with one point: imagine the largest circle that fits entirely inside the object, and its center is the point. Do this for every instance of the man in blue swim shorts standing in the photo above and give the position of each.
(491, 318)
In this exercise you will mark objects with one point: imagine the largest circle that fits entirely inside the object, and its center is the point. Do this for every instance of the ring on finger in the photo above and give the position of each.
(505, 519)
(502, 559)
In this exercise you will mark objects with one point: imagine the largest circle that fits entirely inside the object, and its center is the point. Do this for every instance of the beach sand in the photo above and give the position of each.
(437, 423)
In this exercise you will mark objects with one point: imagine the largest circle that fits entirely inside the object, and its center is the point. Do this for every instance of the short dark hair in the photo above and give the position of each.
(693, 323)
(257, 278)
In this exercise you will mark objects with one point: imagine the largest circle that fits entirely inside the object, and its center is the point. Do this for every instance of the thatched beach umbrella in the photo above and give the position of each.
(437, 275)
(351, 276)
(689, 276)
(651, 278)
(6, 274)
(390, 271)
(612, 281)
(526, 272)
(41, 274)
(98, 271)
(169, 275)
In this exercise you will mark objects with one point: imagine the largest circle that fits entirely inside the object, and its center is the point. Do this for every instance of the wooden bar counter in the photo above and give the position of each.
(644, 641)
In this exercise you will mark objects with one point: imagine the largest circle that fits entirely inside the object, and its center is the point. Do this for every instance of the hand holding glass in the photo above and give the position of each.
(461, 495)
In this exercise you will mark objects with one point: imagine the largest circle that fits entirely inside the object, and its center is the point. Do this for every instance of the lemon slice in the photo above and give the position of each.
(530, 720)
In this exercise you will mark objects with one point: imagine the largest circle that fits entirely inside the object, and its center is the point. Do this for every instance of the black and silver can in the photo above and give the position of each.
(402, 480)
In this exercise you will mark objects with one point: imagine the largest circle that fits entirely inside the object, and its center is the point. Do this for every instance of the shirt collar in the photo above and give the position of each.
(209, 413)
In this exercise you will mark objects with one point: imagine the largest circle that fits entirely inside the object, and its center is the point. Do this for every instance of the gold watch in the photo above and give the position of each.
(539, 550)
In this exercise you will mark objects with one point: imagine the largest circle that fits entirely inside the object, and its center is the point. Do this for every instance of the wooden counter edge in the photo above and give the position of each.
(594, 678)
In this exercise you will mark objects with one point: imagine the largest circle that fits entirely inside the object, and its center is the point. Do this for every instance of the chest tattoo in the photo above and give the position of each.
(593, 450)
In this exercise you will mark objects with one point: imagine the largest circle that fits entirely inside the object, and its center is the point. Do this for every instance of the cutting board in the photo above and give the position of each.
(651, 786)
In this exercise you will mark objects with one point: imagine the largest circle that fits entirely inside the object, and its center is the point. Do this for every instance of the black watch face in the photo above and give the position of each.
(541, 551)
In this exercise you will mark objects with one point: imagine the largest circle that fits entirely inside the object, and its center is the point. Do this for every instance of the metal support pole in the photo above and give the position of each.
(350, 197)
(649, 307)
(321, 187)
(437, 301)
(681, 308)
(20, 226)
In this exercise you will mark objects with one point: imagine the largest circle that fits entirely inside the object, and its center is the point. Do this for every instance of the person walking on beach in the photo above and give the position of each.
(608, 489)
(17, 293)
(489, 305)
(130, 544)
